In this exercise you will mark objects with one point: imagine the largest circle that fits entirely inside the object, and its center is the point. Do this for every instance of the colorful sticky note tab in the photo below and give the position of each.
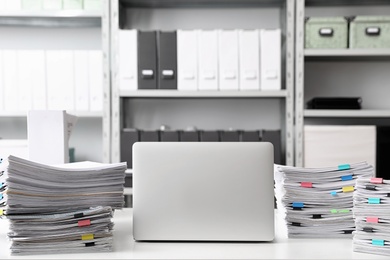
(307, 184)
(372, 219)
(1, 185)
(344, 210)
(346, 177)
(370, 187)
(87, 237)
(84, 222)
(1, 212)
(376, 180)
(344, 167)
(1, 196)
(333, 193)
(348, 188)
(374, 200)
(78, 215)
(378, 242)
(297, 204)
(334, 211)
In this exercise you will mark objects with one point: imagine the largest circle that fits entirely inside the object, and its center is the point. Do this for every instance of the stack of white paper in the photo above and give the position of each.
(60, 209)
(372, 216)
(318, 201)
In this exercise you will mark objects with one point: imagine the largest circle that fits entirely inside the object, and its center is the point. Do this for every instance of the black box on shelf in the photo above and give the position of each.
(169, 136)
(149, 136)
(274, 137)
(128, 137)
(335, 103)
(250, 136)
(189, 136)
(230, 136)
(209, 136)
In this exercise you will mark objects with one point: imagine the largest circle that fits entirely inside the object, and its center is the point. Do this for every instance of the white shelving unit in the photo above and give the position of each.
(339, 72)
(148, 109)
(63, 29)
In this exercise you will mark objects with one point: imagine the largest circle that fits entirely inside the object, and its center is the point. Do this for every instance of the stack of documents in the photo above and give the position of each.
(88, 230)
(372, 216)
(38, 188)
(61, 209)
(318, 201)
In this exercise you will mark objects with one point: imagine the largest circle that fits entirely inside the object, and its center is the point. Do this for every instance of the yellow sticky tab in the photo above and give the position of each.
(1, 212)
(87, 237)
(348, 188)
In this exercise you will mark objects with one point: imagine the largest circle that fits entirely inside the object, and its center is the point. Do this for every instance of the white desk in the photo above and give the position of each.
(281, 248)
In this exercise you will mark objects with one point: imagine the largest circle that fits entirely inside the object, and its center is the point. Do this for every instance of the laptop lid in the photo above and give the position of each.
(203, 191)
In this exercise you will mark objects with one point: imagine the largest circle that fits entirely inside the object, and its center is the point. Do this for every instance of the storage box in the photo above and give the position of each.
(370, 32)
(326, 33)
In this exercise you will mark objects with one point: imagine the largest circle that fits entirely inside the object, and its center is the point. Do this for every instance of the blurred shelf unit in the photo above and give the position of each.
(339, 72)
(150, 108)
(41, 31)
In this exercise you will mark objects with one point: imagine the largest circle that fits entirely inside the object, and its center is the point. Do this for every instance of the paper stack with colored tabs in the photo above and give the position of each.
(318, 201)
(372, 216)
(61, 209)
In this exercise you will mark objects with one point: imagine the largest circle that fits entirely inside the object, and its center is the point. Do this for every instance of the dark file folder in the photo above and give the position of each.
(189, 136)
(250, 136)
(230, 136)
(169, 136)
(149, 136)
(335, 103)
(274, 137)
(128, 137)
(167, 60)
(147, 60)
(209, 136)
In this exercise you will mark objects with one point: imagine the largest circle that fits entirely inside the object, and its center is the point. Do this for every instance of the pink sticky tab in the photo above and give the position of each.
(376, 180)
(307, 184)
(82, 223)
(372, 219)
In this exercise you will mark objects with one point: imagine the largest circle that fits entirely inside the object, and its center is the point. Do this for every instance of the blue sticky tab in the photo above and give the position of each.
(333, 193)
(297, 204)
(378, 242)
(374, 200)
(346, 177)
(344, 167)
(1, 196)
(1, 185)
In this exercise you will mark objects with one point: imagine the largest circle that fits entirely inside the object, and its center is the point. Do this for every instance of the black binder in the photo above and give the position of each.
(149, 136)
(274, 137)
(335, 103)
(250, 136)
(128, 137)
(209, 136)
(147, 60)
(167, 60)
(169, 136)
(189, 136)
(230, 136)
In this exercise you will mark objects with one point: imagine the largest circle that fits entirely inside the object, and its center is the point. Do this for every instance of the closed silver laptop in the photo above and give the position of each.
(203, 191)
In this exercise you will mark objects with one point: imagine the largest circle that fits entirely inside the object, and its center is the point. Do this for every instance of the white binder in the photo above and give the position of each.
(38, 81)
(208, 59)
(1, 82)
(127, 60)
(270, 59)
(228, 59)
(60, 79)
(95, 80)
(187, 59)
(10, 81)
(81, 80)
(249, 52)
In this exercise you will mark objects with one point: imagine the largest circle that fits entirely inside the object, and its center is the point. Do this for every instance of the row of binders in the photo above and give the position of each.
(318, 202)
(34, 5)
(51, 79)
(200, 59)
(61, 209)
(371, 212)
(131, 135)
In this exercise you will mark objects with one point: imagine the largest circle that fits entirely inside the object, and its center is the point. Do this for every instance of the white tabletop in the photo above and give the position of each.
(281, 248)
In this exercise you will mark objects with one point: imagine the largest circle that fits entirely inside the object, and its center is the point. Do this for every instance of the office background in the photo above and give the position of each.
(304, 74)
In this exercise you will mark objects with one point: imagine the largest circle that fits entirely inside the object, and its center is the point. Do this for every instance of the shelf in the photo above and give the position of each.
(200, 3)
(364, 113)
(202, 94)
(347, 54)
(85, 114)
(345, 2)
(50, 18)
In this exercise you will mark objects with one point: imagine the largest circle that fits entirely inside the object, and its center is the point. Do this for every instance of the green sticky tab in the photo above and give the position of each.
(378, 242)
(344, 211)
(333, 211)
(344, 167)
(374, 200)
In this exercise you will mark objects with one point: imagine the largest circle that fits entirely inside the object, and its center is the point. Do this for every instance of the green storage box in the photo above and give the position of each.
(370, 32)
(326, 33)
(31, 5)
